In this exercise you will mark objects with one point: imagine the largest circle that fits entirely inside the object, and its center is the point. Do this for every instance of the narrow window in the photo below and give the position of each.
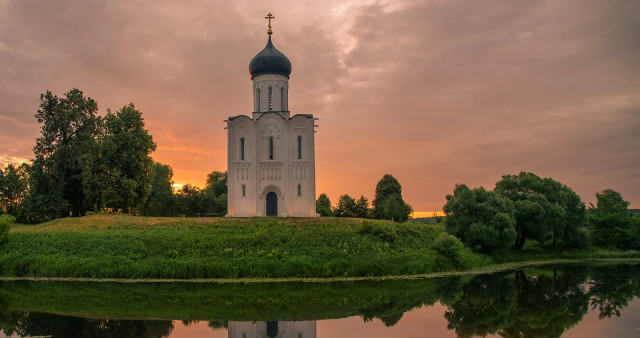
(242, 148)
(244, 190)
(299, 189)
(299, 147)
(282, 107)
(270, 98)
(271, 148)
(258, 99)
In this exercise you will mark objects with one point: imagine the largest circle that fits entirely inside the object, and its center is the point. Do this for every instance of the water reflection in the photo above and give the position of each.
(273, 329)
(540, 301)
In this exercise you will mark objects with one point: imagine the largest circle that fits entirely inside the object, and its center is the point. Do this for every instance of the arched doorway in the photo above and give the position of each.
(272, 204)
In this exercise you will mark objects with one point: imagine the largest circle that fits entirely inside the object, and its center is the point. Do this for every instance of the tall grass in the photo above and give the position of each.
(138, 247)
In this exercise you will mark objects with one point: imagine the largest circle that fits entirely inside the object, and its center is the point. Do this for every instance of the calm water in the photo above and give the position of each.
(549, 301)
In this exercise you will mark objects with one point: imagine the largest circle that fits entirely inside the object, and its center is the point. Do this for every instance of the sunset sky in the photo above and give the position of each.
(433, 92)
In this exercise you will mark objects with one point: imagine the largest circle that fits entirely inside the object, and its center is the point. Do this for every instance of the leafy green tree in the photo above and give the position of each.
(481, 219)
(70, 129)
(160, 201)
(612, 223)
(346, 207)
(190, 201)
(323, 206)
(392, 208)
(215, 194)
(544, 209)
(362, 207)
(13, 188)
(124, 159)
(386, 187)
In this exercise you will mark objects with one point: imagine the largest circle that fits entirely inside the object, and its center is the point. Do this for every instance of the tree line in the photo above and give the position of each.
(387, 204)
(527, 207)
(84, 162)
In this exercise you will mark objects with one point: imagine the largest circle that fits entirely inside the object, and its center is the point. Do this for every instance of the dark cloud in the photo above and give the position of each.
(433, 92)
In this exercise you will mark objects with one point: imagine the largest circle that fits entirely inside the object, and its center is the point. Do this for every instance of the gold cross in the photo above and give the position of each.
(269, 16)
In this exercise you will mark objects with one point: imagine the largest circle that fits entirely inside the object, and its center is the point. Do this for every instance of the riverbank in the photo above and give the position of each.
(121, 247)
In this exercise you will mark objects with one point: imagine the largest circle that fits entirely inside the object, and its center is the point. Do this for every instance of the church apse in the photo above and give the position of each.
(271, 155)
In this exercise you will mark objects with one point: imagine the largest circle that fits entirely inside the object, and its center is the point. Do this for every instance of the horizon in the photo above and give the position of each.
(434, 93)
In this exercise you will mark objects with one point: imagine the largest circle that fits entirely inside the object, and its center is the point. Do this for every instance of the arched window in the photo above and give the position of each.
(258, 99)
(270, 98)
(271, 147)
(299, 147)
(242, 148)
(299, 189)
(244, 190)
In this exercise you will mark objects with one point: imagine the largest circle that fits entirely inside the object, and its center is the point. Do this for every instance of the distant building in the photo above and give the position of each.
(271, 156)
(283, 329)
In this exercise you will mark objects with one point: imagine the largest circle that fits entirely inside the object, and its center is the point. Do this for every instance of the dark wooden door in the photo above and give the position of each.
(272, 204)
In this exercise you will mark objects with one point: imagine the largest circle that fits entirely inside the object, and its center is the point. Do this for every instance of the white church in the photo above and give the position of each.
(271, 158)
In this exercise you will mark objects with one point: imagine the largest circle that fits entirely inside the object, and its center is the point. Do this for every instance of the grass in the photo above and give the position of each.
(128, 247)
(118, 246)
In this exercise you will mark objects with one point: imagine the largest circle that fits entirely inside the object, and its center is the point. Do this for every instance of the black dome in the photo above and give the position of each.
(270, 61)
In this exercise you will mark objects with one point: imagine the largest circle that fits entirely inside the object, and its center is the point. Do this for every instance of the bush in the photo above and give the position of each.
(5, 222)
(448, 246)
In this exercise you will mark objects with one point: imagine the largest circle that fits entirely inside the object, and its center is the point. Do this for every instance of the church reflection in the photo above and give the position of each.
(273, 329)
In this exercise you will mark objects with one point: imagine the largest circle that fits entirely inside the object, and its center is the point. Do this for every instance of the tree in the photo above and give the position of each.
(323, 206)
(612, 223)
(481, 219)
(346, 206)
(362, 207)
(70, 129)
(386, 187)
(189, 201)
(544, 209)
(215, 194)
(13, 188)
(160, 201)
(123, 160)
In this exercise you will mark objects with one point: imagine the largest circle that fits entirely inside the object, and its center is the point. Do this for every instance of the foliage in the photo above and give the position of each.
(612, 224)
(346, 207)
(5, 224)
(362, 208)
(121, 177)
(544, 209)
(13, 188)
(70, 128)
(449, 246)
(387, 187)
(141, 247)
(481, 219)
(323, 206)
(160, 201)
(190, 201)
(215, 194)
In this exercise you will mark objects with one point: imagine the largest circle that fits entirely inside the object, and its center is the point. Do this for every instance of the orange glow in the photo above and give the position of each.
(422, 214)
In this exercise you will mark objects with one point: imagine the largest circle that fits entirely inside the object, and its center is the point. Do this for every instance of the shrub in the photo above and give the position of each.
(448, 246)
(5, 222)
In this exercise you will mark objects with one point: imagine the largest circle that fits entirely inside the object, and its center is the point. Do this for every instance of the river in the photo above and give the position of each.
(577, 300)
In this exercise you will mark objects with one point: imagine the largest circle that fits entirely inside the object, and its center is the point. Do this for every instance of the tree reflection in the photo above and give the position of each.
(51, 325)
(546, 303)
(524, 303)
(612, 288)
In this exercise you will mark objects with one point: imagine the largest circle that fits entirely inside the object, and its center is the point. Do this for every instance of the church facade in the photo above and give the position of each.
(271, 157)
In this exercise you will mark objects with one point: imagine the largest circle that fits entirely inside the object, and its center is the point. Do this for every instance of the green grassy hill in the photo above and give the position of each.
(118, 246)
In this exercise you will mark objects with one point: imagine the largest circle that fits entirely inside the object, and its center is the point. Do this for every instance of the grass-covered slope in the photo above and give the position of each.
(140, 247)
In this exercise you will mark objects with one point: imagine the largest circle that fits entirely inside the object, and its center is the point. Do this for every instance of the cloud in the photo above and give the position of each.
(433, 92)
